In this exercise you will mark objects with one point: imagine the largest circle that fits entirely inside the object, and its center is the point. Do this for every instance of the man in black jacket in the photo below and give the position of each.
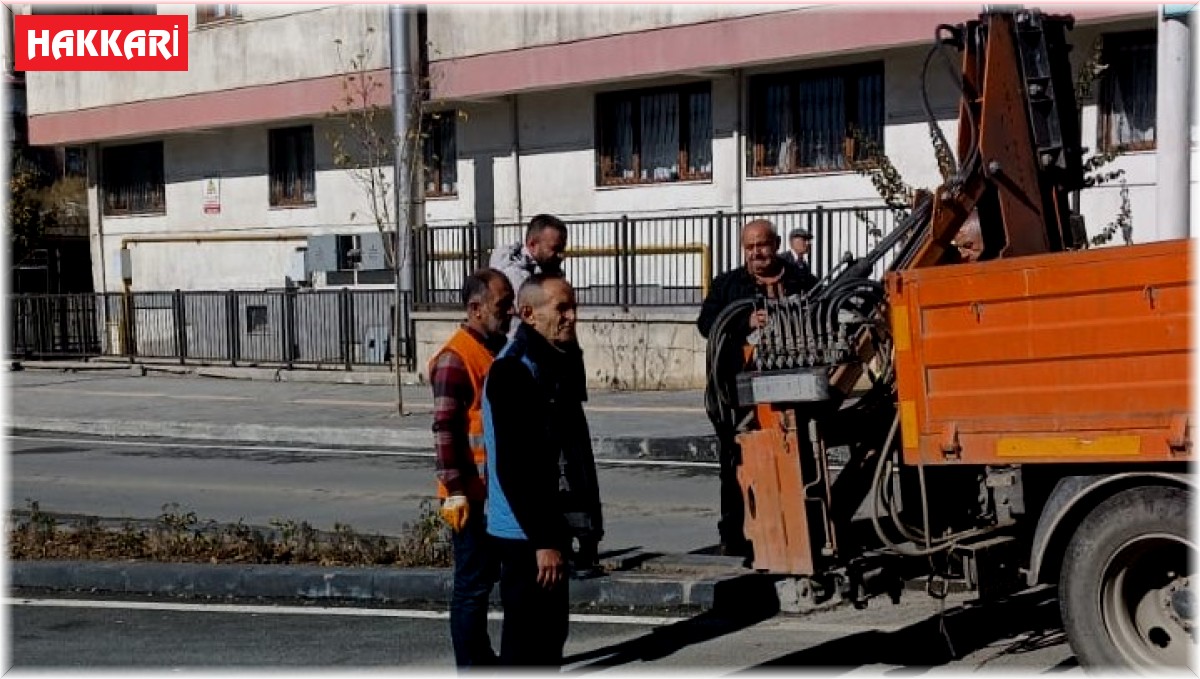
(542, 489)
(764, 274)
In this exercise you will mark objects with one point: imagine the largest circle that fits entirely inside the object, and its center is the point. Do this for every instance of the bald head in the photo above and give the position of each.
(969, 239)
(759, 228)
(546, 303)
(760, 243)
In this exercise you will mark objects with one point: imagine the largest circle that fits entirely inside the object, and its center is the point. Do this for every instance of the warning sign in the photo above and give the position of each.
(212, 196)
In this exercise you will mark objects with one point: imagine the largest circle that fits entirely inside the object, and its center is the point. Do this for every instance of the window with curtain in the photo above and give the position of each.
(656, 135)
(440, 154)
(293, 170)
(1128, 91)
(132, 176)
(804, 121)
(207, 14)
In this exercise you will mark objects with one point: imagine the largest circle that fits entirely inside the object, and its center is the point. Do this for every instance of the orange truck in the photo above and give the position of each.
(1010, 422)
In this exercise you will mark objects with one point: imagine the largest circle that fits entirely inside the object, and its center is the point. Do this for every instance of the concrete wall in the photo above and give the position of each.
(462, 31)
(229, 55)
(642, 350)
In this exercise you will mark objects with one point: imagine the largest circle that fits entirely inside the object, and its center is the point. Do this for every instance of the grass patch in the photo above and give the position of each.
(180, 536)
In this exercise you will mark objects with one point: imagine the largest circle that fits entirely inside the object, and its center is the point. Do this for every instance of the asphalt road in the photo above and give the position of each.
(167, 635)
(668, 507)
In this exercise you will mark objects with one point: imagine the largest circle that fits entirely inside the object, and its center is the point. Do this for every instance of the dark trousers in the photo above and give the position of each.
(733, 510)
(476, 569)
(535, 618)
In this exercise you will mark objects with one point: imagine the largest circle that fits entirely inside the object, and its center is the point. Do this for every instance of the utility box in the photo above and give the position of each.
(373, 257)
(321, 255)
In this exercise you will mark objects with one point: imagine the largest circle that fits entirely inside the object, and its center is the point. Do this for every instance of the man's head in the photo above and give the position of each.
(546, 303)
(488, 298)
(800, 240)
(969, 240)
(760, 242)
(546, 239)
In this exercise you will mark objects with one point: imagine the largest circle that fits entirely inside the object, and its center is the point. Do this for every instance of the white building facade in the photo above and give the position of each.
(216, 178)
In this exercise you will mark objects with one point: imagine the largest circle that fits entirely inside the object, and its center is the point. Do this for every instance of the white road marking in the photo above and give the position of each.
(335, 451)
(314, 610)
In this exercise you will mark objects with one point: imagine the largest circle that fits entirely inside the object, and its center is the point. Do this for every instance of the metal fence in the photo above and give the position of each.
(643, 261)
(283, 327)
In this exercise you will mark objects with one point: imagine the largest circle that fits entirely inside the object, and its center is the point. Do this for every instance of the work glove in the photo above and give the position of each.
(455, 511)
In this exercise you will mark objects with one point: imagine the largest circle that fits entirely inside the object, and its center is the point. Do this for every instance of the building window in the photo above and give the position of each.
(440, 154)
(804, 121)
(256, 319)
(293, 178)
(657, 135)
(133, 179)
(97, 10)
(1128, 91)
(207, 14)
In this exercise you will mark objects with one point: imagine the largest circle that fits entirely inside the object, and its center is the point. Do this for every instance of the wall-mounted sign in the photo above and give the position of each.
(212, 196)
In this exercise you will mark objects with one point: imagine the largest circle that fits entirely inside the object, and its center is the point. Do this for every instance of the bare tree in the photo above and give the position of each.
(364, 144)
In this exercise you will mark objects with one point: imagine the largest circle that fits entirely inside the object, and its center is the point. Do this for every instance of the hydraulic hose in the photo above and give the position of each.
(717, 401)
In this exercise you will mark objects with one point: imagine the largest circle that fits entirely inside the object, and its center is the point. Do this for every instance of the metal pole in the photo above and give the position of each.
(1173, 146)
(400, 34)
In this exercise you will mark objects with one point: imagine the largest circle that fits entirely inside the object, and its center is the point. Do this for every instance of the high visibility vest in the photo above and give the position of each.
(477, 360)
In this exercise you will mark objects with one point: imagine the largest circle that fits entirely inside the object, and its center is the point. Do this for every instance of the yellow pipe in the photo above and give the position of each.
(687, 248)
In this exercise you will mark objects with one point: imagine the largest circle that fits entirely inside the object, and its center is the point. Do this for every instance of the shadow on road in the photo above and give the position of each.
(940, 639)
(738, 603)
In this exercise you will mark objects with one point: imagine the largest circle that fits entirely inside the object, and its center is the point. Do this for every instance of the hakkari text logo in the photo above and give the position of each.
(100, 43)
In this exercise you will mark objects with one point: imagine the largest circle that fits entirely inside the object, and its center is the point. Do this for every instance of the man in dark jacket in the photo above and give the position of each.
(764, 274)
(541, 473)
(799, 247)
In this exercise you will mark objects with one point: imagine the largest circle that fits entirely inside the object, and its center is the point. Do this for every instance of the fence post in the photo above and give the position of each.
(64, 332)
(287, 320)
(825, 239)
(631, 276)
(348, 330)
(416, 249)
(181, 326)
(231, 324)
(718, 243)
(618, 262)
(469, 248)
(130, 311)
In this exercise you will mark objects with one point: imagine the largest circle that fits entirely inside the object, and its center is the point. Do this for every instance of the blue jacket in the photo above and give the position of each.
(541, 472)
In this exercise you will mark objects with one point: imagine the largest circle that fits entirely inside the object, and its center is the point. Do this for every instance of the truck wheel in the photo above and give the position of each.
(1127, 589)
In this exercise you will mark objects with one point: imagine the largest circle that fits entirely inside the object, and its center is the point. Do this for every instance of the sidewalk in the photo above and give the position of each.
(116, 400)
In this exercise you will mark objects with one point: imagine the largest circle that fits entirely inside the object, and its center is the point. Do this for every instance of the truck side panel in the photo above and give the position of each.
(1072, 356)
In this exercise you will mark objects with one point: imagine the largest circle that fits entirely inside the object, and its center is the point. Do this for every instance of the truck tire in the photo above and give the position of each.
(1127, 585)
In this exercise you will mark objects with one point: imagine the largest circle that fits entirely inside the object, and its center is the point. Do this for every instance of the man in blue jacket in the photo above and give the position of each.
(541, 472)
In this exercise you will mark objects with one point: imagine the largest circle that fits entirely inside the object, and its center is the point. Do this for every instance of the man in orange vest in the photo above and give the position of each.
(457, 373)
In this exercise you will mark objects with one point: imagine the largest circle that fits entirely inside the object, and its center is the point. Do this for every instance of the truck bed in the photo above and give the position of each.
(1072, 356)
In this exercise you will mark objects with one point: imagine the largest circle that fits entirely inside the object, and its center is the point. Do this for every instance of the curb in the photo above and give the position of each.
(675, 449)
(374, 584)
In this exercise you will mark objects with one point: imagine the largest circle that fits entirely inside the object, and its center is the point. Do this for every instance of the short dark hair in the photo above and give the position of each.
(799, 233)
(477, 286)
(540, 223)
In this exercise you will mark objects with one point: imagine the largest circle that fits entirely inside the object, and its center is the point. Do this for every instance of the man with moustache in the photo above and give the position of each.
(541, 470)
(457, 374)
(765, 273)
